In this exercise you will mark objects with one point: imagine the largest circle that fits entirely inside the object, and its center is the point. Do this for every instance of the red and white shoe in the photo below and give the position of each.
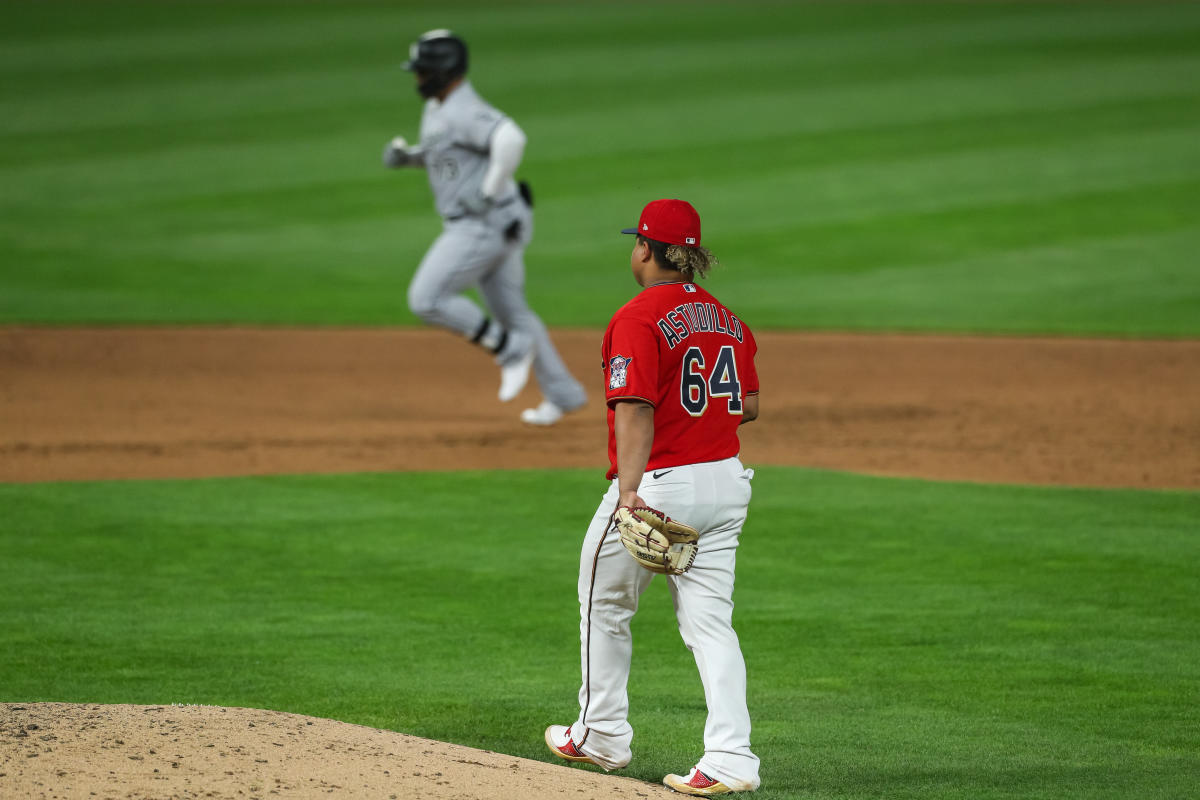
(558, 739)
(697, 784)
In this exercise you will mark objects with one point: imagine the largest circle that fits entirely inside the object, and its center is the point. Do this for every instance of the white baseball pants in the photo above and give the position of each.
(712, 497)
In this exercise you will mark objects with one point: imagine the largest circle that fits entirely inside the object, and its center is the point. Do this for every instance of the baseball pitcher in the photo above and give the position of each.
(679, 380)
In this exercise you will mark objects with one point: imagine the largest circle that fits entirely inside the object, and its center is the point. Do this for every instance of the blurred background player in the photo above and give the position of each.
(470, 151)
(680, 379)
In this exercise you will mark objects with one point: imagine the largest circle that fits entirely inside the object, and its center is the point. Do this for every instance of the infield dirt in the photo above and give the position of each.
(83, 404)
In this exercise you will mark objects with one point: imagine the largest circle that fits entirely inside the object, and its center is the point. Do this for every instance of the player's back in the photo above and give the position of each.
(689, 356)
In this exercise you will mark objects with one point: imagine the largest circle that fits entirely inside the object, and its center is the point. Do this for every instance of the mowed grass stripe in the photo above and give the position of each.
(1008, 292)
(738, 115)
(834, 276)
(779, 110)
(367, 65)
(1095, 162)
(152, 48)
(374, 194)
(951, 87)
(920, 639)
(839, 276)
(248, 192)
(927, 238)
(863, 189)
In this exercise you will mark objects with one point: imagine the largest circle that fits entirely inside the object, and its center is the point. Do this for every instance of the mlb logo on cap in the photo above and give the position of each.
(670, 221)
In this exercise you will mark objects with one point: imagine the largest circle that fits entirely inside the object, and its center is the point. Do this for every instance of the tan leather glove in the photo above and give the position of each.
(657, 542)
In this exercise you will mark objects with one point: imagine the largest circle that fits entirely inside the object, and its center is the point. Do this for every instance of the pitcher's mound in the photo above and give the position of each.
(66, 750)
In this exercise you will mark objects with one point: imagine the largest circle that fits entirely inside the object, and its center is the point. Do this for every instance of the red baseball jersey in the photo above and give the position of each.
(678, 348)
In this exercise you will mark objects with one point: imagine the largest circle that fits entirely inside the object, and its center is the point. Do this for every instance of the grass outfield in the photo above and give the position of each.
(995, 167)
(905, 639)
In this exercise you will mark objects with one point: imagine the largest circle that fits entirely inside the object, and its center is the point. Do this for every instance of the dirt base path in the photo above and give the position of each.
(137, 403)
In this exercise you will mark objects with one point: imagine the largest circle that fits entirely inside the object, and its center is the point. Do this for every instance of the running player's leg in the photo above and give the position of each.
(703, 599)
(459, 258)
(504, 292)
(610, 583)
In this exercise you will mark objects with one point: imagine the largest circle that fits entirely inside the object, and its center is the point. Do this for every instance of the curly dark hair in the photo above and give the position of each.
(692, 262)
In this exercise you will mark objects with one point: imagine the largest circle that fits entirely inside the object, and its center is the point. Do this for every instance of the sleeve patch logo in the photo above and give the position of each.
(618, 372)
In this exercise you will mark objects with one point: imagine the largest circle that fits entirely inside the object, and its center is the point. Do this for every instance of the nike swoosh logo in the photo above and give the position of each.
(658, 475)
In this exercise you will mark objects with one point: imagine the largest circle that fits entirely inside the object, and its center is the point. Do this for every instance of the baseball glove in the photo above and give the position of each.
(657, 542)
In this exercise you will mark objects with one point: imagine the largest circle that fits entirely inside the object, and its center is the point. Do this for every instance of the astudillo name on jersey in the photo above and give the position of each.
(688, 318)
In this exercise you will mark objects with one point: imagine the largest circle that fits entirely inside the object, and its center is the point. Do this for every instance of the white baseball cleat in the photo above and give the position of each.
(546, 414)
(514, 376)
(514, 371)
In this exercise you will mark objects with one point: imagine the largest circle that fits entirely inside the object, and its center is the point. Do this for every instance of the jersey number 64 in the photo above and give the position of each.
(695, 390)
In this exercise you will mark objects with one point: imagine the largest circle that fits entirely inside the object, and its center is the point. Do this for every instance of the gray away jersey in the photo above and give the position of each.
(455, 136)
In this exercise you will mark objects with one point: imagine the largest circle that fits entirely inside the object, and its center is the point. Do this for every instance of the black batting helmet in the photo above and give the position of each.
(440, 57)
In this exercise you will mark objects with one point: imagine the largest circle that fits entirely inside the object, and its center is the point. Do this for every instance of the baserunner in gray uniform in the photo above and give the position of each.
(470, 151)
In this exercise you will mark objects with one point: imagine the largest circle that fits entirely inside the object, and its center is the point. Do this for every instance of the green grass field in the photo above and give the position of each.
(994, 167)
(990, 167)
(904, 639)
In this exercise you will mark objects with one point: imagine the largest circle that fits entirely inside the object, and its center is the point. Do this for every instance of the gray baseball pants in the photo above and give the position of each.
(474, 252)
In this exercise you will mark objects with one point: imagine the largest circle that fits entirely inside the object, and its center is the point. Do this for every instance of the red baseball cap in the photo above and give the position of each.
(670, 221)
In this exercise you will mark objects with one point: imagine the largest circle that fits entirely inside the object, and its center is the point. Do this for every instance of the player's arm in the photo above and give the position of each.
(506, 148)
(633, 428)
(749, 408)
(399, 153)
